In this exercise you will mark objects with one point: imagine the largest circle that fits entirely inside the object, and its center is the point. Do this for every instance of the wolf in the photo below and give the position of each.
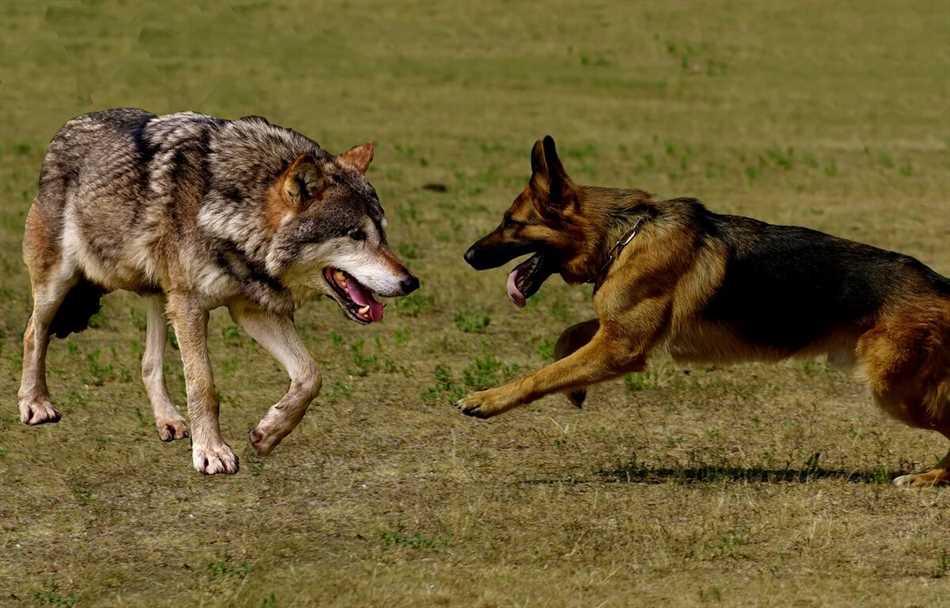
(197, 212)
(717, 287)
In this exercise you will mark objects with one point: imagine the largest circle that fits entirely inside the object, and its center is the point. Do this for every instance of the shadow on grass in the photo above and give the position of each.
(700, 473)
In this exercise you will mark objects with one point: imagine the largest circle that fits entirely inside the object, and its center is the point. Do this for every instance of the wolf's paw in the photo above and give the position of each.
(170, 429)
(38, 411)
(484, 404)
(936, 477)
(264, 439)
(214, 459)
(262, 442)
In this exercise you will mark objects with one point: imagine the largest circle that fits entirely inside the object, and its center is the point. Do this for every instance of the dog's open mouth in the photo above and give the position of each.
(527, 277)
(355, 299)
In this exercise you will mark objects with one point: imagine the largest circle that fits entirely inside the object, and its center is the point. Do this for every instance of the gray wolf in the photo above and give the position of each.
(717, 287)
(196, 212)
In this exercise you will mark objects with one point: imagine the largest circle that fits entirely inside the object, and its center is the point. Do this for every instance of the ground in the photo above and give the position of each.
(683, 486)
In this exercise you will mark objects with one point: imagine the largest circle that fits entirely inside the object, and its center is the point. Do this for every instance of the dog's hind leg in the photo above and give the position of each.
(939, 475)
(570, 340)
(279, 337)
(209, 453)
(906, 361)
(169, 422)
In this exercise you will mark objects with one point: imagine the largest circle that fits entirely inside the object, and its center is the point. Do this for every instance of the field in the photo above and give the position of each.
(682, 486)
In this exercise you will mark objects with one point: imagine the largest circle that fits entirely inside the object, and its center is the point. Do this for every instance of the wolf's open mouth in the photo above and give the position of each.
(355, 299)
(527, 277)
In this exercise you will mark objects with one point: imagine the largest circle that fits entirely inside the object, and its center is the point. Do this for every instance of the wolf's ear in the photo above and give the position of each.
(358, 157)
(548, 177)
(303, 181)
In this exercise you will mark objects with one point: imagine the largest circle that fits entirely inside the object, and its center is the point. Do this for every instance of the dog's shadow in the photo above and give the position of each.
(703, 473)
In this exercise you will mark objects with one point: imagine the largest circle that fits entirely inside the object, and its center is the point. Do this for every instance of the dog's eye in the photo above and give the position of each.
(357, 235)
(513, 223)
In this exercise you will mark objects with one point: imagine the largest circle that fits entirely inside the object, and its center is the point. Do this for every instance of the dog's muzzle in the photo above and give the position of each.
(482, 257)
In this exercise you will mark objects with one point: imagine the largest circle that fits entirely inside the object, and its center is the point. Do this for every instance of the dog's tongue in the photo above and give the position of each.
(526, 279)
(514, 294)
(365, 298)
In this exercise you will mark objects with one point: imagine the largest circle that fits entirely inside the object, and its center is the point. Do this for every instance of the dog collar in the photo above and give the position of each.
(618, 247)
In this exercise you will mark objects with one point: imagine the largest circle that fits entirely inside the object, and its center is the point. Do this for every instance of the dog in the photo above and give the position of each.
(717, 287)
(197, 212)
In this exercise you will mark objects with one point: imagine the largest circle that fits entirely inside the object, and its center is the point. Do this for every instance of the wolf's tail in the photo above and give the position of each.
(80, 304)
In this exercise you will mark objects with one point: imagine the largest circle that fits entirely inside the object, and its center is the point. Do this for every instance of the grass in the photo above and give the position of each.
(682, 486)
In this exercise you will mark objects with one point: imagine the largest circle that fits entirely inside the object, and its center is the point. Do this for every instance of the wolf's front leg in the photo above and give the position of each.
(279, 337)
(209, 453)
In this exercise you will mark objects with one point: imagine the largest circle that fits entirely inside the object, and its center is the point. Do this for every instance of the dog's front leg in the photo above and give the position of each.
(570, 340)
(598, 360)
(620, 344)
(278, 335)
(210, 454)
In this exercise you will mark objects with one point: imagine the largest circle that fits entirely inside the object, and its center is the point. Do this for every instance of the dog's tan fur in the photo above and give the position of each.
(660, 288)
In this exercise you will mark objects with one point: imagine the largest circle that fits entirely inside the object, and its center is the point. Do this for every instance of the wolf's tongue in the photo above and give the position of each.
(514, 294)
(365, 298)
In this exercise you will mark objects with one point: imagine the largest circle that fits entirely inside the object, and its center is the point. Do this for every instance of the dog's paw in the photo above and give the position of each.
(936, 477)
(483, 404)
(577, 397)
(214, 459)
(170, 429)
(904, 480)
(38, 411)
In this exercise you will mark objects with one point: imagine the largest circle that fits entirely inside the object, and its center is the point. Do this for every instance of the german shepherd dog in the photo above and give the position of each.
(717, 287)
(198, 212)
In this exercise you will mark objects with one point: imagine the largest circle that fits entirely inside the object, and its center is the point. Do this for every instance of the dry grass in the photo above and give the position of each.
(750, 485)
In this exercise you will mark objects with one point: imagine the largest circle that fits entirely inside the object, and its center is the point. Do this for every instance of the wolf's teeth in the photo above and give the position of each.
(340, 278)
(364, 310)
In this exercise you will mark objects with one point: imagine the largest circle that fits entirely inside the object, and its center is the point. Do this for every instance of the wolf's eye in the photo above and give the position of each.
(357, 235)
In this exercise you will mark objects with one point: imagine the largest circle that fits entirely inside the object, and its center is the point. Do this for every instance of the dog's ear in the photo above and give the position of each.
(539, 167)
(358, 157)
(549, 180)
(303, 181)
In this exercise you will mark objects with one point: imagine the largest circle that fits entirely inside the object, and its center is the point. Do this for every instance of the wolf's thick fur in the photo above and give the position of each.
(199, 212)
(719, 287)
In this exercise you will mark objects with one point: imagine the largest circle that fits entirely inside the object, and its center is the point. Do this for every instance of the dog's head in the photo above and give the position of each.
(330, 233)
(544, 220)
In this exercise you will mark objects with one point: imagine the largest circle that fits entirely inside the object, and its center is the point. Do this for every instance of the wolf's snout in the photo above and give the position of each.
(409, 285)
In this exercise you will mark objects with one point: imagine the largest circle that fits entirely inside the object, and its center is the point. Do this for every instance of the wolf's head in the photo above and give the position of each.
(329, 233)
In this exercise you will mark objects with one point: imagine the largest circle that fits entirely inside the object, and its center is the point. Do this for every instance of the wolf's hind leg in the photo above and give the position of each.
(279, 337)
(170, 423)
(570, 340)
(49, 291)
